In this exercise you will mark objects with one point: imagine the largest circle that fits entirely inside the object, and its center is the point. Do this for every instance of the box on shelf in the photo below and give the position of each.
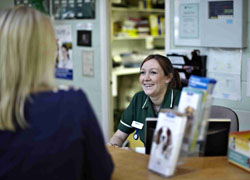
(153, 23)
(239, 149)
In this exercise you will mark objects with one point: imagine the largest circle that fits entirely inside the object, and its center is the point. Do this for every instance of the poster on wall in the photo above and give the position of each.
(64, 61)
(225, 67)
(189, 21)
(187, 28)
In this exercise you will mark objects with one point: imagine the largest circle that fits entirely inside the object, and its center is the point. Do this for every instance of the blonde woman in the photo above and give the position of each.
(39, 137)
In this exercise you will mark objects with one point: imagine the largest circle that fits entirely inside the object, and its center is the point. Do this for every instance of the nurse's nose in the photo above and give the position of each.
(147, 76)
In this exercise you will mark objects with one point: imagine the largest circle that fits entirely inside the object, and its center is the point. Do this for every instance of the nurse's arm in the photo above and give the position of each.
(118, 138)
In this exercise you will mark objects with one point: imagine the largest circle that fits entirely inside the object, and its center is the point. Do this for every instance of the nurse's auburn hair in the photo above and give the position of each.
(168, 69)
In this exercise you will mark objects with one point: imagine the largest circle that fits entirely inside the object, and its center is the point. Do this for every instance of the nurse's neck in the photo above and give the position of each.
(157, 100)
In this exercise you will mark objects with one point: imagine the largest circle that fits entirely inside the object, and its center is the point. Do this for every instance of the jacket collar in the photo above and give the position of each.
(165, 104)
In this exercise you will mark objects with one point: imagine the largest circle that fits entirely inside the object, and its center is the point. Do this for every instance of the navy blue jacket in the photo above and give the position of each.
(63, 141)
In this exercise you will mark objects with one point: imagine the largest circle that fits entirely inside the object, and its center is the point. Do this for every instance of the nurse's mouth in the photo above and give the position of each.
(148, 85)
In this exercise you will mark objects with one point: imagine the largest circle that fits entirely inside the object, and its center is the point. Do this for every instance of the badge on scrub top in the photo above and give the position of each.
(136, 125)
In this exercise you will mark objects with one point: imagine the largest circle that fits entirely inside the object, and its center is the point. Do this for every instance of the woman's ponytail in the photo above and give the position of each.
(176, 80)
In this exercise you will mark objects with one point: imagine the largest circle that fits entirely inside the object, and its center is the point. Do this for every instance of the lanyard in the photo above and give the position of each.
(136, 135)
(172, 99)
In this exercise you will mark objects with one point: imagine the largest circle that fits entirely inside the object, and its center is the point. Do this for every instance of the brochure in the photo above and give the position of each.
(167, 142)
(191, 104)
(207, 85)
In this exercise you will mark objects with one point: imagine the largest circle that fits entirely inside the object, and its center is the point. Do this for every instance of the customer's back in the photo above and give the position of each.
(45, 133)
(63, 140)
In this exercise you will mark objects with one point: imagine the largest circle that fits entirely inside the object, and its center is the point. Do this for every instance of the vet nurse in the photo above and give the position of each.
(160, 83)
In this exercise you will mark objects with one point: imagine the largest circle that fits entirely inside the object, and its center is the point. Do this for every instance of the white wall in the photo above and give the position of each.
(241, 107)
(96, 87)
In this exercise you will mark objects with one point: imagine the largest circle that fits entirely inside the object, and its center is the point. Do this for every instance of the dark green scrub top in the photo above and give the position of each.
(141, 107)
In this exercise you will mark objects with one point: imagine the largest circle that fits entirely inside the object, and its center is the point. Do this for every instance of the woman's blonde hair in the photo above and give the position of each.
(27, 61)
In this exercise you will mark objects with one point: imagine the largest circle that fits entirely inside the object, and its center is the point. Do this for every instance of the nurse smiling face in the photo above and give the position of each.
(153, 79)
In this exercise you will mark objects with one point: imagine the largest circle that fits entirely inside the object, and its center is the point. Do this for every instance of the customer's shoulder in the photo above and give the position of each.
(69, 92)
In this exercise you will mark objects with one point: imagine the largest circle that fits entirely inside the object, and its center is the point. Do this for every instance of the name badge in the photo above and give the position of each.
(137, 125)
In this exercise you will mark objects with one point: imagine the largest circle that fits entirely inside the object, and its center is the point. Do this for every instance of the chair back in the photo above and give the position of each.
(226, 113)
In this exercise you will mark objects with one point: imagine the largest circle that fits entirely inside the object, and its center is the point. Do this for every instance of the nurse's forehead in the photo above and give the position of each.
(151, 63)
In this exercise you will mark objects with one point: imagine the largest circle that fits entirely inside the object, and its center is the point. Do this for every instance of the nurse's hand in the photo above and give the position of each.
(109, 144)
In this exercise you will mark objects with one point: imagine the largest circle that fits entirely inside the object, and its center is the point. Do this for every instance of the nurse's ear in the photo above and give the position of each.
(169, 78)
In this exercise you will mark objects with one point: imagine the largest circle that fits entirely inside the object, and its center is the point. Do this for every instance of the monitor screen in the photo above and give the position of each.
(216, 143)
(149, 133)
(221, 9)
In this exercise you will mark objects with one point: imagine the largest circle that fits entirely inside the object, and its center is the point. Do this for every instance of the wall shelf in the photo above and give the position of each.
(137, 10)
(137, 38)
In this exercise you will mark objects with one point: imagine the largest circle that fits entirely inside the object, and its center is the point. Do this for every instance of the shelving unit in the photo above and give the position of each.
(125, 80)
(121, 9)
(136, 38)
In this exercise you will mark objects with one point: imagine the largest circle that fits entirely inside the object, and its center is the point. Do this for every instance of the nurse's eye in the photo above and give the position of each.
(153, 72)
(142, 72)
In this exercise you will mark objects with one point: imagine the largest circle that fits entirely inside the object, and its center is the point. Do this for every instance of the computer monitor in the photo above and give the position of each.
(216, 139)
(216, 143)
(150, 126)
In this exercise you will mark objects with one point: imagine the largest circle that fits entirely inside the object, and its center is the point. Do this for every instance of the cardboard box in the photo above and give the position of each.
(239, 149)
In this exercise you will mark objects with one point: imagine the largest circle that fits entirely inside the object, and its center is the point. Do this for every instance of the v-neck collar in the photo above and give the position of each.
(166, 103)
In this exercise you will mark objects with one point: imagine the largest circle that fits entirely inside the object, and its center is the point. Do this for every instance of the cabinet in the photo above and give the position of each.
(136, 32)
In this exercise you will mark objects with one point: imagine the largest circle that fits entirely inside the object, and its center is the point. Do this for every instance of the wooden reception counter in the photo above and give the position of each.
(130, 165)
